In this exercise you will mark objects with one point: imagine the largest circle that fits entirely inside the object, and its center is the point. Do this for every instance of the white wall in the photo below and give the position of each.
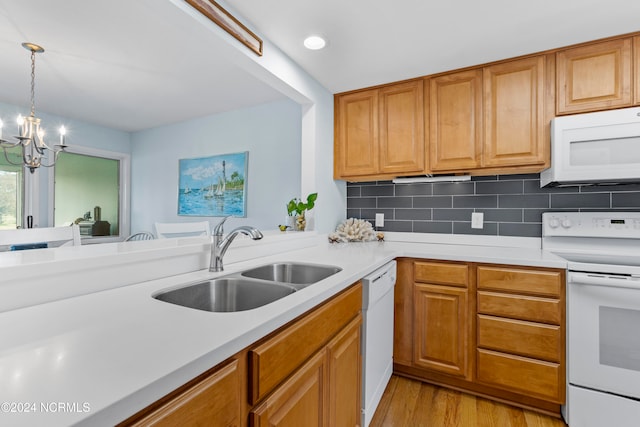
(278, 70)
(315, 143)
(271, 133)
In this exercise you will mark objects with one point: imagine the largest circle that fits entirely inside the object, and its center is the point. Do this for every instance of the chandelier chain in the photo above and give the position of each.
(33, 83)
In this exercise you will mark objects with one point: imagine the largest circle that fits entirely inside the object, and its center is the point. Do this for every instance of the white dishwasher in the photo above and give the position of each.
(377, 336)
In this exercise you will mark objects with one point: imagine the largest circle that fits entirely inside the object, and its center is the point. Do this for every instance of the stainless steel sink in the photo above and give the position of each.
(293, 273)
(226, 294)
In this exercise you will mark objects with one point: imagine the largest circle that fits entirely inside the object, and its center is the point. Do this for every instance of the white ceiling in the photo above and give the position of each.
(133, 65)
(124, 64)
(380, 41)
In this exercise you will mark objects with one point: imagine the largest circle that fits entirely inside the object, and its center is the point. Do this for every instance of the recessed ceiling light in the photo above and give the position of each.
(314, 42)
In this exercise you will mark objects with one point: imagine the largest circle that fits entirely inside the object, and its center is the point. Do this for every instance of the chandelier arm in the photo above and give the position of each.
(8, 144)
(41, 149)
(42, 145)
(53, 163)
(6, 156)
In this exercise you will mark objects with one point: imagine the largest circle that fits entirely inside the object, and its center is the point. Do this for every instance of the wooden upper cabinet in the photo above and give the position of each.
(455, 125)
(636, 69)
(401, 128)
(380, 132)
(356, 139)
(491, 119)
(515, 122)
(594, 77)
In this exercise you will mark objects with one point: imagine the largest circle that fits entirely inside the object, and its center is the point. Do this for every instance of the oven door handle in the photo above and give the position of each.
(607, 280)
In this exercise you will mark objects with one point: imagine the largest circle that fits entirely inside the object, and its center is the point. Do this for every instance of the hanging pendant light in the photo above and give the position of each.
(31, 136)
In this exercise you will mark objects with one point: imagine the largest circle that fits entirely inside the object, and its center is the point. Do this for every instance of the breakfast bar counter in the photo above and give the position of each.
(97, 358)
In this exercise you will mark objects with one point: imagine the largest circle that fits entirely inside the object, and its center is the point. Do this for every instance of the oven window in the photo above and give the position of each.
(619, 338)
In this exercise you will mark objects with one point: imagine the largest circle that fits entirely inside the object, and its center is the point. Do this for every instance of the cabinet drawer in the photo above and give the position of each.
(536, 282)
(536, 309)
(528, 339)
(299, 401)
(531, 377)
(274, 360)
(441, 273)
(213, 401)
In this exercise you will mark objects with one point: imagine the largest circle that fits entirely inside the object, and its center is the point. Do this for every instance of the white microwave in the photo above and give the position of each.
(594, 148)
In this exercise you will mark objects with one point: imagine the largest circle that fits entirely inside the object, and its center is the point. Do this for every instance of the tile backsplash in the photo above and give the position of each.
(512, 204)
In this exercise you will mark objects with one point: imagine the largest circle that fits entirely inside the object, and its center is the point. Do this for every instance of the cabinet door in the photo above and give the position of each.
(356, 145)
(299, 401)
(276, 358)
(594, 77)
(402, 128)
(441, 341)
(455, 125)
(214, 401)
(636, 69)
(403, 301)
(344, 367)
(514, 113)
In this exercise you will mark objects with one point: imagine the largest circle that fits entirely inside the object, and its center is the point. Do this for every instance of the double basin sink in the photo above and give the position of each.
(247, 289)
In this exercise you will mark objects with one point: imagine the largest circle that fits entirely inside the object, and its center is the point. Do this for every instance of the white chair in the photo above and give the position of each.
(182, 229)
(45, 237)
(142, 235)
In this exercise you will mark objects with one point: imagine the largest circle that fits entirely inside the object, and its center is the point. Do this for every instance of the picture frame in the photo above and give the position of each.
(229, 23)
(214, 185)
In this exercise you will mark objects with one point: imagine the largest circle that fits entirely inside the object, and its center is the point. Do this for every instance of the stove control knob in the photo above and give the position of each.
(554, 223)
(566, 223)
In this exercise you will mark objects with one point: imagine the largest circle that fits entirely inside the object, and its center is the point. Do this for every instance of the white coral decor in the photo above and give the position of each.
(353, 230)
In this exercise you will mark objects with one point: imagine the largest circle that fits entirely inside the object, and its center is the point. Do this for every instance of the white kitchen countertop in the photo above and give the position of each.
(105, 355)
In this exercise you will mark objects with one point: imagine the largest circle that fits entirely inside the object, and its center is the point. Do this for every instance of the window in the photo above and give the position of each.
(11, 190)
(90, 188)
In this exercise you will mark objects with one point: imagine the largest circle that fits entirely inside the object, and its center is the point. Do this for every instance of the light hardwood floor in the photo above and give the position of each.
(409, 403)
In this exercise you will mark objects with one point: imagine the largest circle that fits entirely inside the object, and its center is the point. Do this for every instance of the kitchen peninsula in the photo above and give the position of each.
(114, 350)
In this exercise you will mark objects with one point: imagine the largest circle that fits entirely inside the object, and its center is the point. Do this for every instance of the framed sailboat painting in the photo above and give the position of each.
(213, 186)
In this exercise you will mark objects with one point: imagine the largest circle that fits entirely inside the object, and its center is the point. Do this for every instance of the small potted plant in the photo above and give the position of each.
(296, 209)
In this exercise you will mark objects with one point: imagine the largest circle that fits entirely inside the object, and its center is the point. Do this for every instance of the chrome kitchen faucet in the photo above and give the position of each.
(220, 244)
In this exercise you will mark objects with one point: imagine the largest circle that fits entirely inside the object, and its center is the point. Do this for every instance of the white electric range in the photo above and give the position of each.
(603, 314)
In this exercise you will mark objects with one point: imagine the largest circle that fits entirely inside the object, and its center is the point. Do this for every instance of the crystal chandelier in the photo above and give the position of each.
(31, 135)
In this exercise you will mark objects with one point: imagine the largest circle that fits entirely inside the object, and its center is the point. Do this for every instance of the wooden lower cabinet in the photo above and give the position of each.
(531, 377)
(521, 338)
(528, 339)
(493, 330)
(324, 391)
(344, 386)
(213, 399)
(299, 401)
(441, 324)
(307, 373)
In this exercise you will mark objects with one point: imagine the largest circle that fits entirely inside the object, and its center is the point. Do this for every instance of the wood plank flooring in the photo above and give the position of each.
(409, 403)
